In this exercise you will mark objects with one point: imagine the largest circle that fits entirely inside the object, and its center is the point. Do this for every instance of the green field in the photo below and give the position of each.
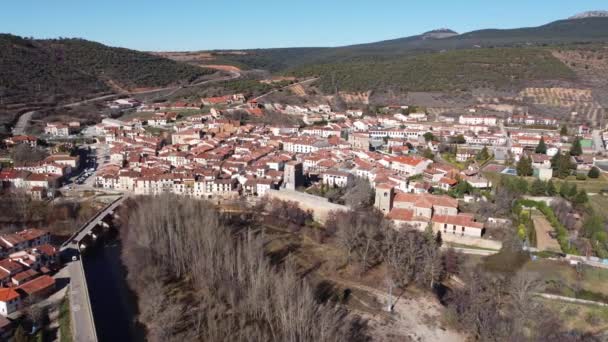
(590, 185)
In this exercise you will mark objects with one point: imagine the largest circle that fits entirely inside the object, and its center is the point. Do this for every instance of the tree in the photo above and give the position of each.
(581, 197)
(538, 188)
(174, 240)
(427, 153)
(459, 139)
(522, 232)
(576, 149)
(483, 155)
(572, 191)
(551, 191)
(541, 147)
(564, 189)
(24, 153)
(20, 335)
(524, 167)
(594, 172)
(593, 225)
(563, 131)
(428, 136)
(561, 165)
(359, 194)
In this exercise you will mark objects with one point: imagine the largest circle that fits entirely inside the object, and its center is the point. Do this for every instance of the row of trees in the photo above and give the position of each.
(561, 164)
(575, 150)
(234, 292)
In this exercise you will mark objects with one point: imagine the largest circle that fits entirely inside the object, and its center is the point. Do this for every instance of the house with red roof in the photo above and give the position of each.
(21, 139)
(459, 225)
(409, 165)
(10, 301)
(38, 287)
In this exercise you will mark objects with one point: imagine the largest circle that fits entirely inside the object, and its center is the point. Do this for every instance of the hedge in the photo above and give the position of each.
(562, 232)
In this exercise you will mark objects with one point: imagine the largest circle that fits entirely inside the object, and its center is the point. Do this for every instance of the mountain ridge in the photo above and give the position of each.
(590, 14)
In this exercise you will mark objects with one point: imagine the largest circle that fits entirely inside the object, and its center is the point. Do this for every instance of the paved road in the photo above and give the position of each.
(83, 323)
(89, 225)
(25, 118)
(22, 123)
(598, 143)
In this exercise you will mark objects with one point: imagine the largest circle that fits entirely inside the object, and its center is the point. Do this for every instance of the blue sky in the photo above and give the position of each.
(227, 24)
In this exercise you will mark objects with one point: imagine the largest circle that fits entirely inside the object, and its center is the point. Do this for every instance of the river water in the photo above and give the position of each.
(113, 304)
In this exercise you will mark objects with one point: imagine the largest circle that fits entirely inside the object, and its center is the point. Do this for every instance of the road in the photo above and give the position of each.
(598, 143)
(90, 224)
(83, 323)
(571, 300)
(285, 87)
(24, 119)
(22, 123)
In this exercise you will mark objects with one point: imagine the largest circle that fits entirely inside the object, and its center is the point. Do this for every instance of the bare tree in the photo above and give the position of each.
(238, 294)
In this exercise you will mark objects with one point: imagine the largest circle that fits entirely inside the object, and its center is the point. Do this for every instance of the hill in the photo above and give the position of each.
(569, 31)
(458, 70)
(64, 69)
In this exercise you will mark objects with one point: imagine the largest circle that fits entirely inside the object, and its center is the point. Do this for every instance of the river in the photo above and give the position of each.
(113, 304)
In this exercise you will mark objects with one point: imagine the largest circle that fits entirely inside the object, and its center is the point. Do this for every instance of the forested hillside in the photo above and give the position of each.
(451, 70)
(585, 30)
(52, 70)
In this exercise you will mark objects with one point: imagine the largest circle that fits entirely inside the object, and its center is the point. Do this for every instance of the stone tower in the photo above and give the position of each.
(293, 175)
(384, 198)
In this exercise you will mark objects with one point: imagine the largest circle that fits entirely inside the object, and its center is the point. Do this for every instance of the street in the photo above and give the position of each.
(598, 143)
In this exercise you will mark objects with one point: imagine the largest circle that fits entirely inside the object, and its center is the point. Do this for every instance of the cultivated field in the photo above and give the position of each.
(544, 241)
(578, 101)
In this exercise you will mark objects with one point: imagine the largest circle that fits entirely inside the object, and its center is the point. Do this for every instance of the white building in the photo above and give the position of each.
(10, 301)
(336, 178)
(477, 120)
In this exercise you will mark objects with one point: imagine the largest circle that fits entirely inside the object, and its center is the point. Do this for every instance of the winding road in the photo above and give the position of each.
(25, 118)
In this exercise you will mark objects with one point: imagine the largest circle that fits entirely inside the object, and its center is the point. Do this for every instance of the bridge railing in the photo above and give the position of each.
(89, 221)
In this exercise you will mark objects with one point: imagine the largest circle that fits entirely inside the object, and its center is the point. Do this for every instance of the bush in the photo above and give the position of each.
(581, 176)
(594, 172)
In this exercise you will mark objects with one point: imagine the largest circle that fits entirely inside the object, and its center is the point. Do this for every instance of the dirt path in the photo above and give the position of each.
(544, 241)
(413, 319)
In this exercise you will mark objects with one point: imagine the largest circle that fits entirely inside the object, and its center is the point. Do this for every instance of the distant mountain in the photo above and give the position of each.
(590, 14)
(63, 69)
(436, 60)
(569, 31)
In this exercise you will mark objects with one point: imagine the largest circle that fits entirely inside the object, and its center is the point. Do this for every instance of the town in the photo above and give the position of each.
(425, 170)
(190, 179)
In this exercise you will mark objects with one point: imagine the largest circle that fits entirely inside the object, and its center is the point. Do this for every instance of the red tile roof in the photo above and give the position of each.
(8, 294)
(37, 285)
(458, 220)
(401, 214)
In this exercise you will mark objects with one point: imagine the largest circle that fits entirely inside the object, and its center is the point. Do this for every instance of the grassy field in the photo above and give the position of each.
(565, 277)
(450, 158)
(599, 203)
(590, 185)
(65, 321)
(586, 318)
